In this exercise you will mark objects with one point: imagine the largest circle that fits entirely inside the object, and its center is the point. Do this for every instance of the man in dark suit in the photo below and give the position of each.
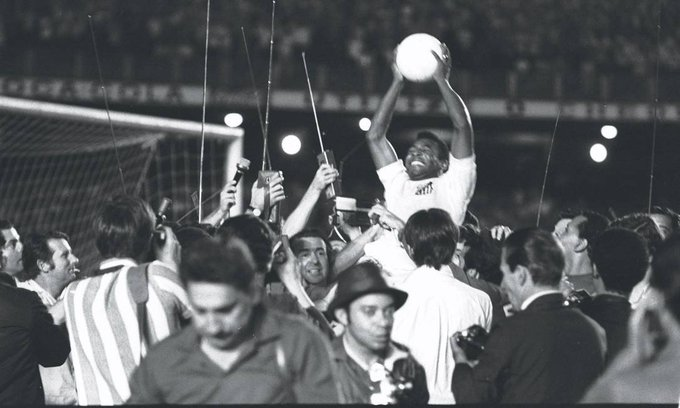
(546, 352)
(28, 337)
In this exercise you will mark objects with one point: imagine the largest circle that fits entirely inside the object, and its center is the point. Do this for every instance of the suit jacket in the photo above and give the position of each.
(612, 313)
(547, 353)
(28, 337)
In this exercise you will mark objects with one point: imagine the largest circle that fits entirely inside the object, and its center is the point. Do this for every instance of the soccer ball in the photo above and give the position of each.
(414, 57)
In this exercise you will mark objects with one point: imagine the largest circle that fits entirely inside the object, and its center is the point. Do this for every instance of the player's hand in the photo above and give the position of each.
(443, 70)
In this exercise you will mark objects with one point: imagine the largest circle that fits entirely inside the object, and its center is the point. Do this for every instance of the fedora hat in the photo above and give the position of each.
(363, 279)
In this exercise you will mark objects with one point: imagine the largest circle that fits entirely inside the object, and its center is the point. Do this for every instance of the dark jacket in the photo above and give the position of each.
(355, 383)
(548, 353)
(612, 313)
(28, 337)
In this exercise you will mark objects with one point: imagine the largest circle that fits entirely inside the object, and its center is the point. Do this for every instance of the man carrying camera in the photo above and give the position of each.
(546, 352)
(115, 316)
(371, 367)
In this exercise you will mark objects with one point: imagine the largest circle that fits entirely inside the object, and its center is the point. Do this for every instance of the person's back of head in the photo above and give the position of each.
(36, 248)
(621, 259)
(430, 237)
(484, 256)
(123, 228)
(539, 252)
(644, 225)
(255, 234)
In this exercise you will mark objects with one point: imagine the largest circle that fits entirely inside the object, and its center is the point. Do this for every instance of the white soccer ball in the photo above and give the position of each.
(414, 57)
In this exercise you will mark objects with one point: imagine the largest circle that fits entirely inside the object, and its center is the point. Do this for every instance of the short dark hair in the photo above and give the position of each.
(665, 276)
(296, 242)
(255, 234)
(187, 235)
(443, 149)
(539, 252)
(621, 258)
(484, 255)
(432, 236)
(36, 248)
(644, 225)
(675, 217)
(4, 225)
(123, 228)
(213, 261)
(593, 226)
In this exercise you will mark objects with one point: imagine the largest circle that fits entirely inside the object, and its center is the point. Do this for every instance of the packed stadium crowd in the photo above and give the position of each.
(581, 37)
(411, 301)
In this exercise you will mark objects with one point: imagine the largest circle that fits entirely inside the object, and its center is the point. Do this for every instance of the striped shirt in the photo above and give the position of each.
(101, 319)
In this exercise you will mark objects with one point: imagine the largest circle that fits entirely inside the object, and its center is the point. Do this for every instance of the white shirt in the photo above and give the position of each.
(451, 191)
(438, 306)
(394, 261)
(45, 297)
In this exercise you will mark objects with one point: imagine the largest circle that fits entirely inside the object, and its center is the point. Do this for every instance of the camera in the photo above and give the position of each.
(577, 298)
(161, 217)
(472, 341)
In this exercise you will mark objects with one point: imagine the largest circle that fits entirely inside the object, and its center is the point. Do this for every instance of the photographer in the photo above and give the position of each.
(110, 326)
(546, 352)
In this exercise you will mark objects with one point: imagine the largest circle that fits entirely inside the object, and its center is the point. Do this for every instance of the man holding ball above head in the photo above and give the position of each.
(430, 175)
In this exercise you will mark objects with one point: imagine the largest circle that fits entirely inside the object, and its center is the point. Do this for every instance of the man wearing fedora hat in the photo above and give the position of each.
(371, 367)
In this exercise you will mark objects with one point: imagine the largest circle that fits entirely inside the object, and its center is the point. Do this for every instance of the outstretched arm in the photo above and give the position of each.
(462, 143)
(381, 150)
(298, 218)
(227, 200)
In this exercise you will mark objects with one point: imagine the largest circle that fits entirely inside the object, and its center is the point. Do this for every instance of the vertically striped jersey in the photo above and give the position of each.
(101, 318)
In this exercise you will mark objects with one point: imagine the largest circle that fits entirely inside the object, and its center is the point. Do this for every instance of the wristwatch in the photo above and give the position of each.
(256, 211)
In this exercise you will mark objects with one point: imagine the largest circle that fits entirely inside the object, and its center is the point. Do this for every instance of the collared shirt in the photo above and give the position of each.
(354, 377)
(437, 307)
(58, 382)
(45, 296)
(287, 361)
(101, 319)
(451, 191)
(535, 296)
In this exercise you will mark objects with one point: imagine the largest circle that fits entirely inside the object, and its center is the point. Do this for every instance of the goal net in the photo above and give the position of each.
(58, 164)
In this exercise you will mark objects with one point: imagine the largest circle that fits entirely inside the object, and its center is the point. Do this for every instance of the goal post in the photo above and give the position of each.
(58, 163)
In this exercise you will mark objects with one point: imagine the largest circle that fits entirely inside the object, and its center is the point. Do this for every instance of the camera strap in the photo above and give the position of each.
(138, 284)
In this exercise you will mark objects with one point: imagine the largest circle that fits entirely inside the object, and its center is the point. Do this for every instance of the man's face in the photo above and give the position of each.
(64, 263)
(665, 224)
(421, 160)
(11, 252)
(370, 321)
(511, 283)
(313, 258)
(221, 313)
(567, 233)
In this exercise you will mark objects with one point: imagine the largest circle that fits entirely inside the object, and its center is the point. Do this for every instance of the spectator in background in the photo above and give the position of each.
(576, 230)
(667, 220)
(28, 338)
(365, 305)
(237, 351)
(648, 369)
(546, 352)
(312, 250)
(621, 259)
(115, 316)
(10, 242)
(50, 265)
(438, 305)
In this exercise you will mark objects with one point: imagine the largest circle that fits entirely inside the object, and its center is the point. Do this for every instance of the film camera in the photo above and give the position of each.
(577, 298)
(472, 341)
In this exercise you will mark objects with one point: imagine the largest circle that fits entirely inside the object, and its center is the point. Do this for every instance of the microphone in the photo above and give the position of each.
(242, 166)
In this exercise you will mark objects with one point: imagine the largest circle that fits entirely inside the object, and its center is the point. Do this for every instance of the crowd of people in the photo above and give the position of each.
(415, 303)
(581, 37)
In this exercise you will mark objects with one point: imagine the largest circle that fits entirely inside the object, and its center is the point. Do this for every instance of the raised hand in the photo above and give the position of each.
(324, 176)
(443, 64)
